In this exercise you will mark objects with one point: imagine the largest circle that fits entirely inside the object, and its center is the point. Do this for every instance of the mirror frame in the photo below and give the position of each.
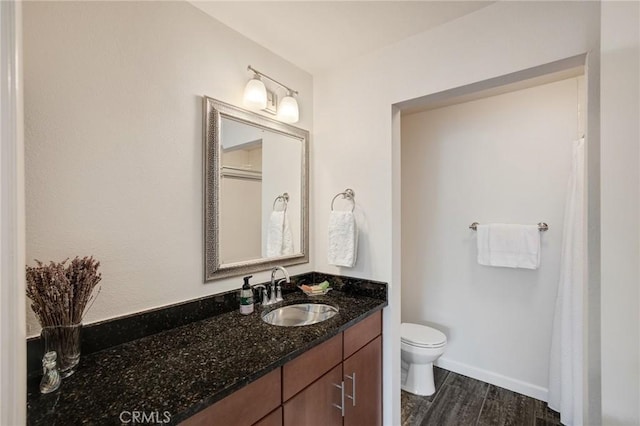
(214, 110)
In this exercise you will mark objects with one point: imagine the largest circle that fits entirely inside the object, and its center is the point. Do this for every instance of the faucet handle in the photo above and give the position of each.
(279, 290)
(265, 299)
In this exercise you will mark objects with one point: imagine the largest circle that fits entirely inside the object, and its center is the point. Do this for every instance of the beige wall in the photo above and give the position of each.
(114, 141)
(240, 219)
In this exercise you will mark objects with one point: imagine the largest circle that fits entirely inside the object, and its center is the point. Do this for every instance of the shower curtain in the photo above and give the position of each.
(566, 359)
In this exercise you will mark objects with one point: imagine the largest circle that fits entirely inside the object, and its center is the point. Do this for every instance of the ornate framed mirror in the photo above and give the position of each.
(256, 192)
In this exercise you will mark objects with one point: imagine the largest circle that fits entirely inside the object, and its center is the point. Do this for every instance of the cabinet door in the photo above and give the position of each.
(314, 405)
(364, 385)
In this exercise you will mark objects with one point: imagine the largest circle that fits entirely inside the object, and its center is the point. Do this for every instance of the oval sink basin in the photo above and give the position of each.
(300, 314)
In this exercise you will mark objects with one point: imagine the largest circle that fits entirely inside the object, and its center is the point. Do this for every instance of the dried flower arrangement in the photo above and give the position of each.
(60, 292)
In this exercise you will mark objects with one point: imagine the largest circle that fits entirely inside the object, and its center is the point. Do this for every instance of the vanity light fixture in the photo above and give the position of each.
(255, 93)
(288, 110)
(255, 97)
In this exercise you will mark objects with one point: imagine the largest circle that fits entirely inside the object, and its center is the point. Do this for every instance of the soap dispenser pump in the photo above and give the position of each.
(246, 297)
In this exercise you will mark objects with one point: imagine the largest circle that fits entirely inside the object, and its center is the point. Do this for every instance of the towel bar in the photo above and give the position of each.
(541, 226)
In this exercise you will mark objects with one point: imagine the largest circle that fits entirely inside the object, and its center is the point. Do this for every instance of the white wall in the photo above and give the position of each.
(502, 159)
(353, 144)
(113, 115)
(620, 112)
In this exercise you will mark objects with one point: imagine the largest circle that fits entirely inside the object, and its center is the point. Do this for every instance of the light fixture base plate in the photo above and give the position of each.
(272, 103)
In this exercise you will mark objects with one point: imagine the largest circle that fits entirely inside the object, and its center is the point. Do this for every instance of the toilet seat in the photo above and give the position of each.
(421, 336)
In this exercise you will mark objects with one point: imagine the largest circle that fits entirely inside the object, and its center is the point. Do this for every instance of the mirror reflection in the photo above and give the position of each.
(256, 192)
(258, 166)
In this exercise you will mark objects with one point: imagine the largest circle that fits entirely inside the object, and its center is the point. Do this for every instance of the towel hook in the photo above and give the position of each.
(284, 198)
(348, 194)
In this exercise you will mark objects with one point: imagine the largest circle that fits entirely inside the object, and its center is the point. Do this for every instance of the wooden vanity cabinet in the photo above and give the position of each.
(308, 390)
(357, 372)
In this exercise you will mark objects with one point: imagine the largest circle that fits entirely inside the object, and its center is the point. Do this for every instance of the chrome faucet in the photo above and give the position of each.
(276, 289)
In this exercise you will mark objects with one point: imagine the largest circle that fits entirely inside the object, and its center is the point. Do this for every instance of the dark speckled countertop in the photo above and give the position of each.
(184, 370)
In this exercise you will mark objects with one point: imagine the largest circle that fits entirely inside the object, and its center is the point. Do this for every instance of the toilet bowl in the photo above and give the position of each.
(420, 347)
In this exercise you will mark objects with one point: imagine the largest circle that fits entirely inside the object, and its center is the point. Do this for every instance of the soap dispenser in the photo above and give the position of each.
(246, 297)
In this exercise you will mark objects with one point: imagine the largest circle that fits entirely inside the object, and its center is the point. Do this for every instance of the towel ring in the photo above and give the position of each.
(348, 194)
(284, 198)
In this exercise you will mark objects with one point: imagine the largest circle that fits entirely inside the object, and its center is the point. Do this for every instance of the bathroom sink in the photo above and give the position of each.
(300, 314)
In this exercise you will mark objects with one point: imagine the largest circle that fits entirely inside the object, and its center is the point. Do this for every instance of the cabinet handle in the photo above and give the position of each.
(352, 397)
(341, 406)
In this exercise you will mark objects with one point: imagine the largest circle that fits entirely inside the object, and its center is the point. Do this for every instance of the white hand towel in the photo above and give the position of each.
(279, 235)
(287, 236)
(512, 246)
(343, 239)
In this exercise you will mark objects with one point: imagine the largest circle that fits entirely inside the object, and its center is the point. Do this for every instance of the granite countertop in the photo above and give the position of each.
(184, 370)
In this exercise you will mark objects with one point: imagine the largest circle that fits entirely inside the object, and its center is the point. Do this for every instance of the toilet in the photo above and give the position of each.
(420, 346)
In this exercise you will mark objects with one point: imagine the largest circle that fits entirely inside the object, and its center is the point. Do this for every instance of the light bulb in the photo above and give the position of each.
(288, 109)
(255, 94)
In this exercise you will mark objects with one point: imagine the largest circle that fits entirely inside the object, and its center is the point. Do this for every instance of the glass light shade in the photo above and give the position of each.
(255, 94)
(288, 110)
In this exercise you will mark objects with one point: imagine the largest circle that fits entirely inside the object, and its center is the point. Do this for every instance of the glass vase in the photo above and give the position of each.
(65, 341)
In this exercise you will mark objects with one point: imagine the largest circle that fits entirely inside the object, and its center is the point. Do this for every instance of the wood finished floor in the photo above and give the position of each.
(463, 401)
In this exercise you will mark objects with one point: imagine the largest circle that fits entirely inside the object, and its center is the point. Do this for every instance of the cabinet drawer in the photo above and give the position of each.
(243, 407)
(303, 370)
(362, 333)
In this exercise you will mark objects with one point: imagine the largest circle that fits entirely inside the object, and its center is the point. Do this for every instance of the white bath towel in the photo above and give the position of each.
(343, 239)
(512, 246)
(279, 235)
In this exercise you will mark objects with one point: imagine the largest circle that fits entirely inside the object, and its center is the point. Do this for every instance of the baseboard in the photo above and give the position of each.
(524, 388)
